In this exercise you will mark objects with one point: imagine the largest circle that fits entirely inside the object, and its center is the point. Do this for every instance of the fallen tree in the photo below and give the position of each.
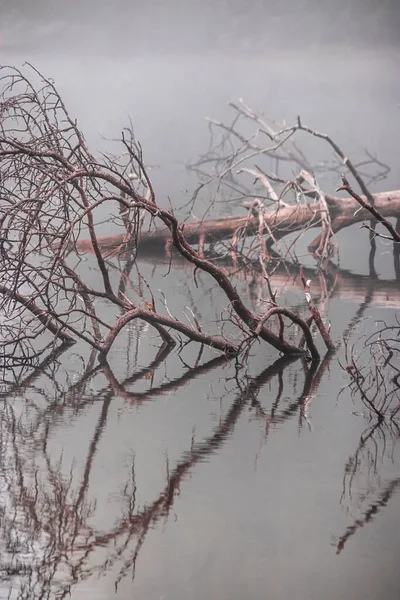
(291, 206)
(278, 223)
(54, 192)
(51, 189)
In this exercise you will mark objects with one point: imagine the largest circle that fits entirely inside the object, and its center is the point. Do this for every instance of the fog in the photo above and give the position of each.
(236, 26)
(167, 65)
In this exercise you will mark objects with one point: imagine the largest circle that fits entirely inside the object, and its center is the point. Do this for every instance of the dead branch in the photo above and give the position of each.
(316, 315)
(366, 203)
(52, 189)
(238, 147)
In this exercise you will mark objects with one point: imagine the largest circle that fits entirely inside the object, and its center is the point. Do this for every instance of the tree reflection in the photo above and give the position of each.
(49, 519)
(49, 540)
(367, 487)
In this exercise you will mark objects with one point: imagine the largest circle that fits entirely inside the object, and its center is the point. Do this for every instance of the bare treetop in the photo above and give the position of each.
(51, 188)
(55, 194)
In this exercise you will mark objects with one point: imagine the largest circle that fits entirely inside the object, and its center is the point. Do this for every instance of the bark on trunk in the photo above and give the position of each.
(288, 219)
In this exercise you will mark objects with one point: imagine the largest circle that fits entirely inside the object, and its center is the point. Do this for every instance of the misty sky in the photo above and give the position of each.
(219, 25)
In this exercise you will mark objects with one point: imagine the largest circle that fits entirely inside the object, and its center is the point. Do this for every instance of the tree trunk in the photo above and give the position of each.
(288, 219)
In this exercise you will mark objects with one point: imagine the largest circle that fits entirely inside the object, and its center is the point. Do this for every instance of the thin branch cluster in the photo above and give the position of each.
(53, 193)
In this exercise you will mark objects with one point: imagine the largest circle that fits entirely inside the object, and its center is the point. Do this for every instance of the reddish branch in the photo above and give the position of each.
(280, 310)
(52, 186)
(395, 235)
(46, 319)
(154, 318)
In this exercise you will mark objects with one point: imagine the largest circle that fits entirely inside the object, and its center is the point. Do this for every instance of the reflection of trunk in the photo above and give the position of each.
(331, 282)
(288, 219)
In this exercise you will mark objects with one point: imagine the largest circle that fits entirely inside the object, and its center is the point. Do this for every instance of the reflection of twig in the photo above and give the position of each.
(138, 524)
(36, 372)
(369, 514)
(367, 464)
(139, 397)
(374, 376)
(313, 376)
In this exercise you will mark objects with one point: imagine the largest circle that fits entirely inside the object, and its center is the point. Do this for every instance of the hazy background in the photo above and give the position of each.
(239, 26)
(169, 64)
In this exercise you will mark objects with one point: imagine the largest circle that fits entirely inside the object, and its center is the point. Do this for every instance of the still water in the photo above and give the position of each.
(166, 475)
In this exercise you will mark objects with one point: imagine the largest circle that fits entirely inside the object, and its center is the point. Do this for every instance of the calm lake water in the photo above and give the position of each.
(167, 476)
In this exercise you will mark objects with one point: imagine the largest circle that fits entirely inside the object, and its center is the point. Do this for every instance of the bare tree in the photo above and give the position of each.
(55, 196)
(53, 193)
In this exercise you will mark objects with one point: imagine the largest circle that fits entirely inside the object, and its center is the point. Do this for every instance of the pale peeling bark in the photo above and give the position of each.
(288, 219)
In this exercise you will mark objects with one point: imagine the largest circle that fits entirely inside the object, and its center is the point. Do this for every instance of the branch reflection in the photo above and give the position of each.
(53, 533)
(50, 540)
(367, 482)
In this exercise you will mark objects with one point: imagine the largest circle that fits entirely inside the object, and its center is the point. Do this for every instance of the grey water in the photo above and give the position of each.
(155, 480)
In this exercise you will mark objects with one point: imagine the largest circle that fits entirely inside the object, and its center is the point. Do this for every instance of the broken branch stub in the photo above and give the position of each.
(316, 314)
